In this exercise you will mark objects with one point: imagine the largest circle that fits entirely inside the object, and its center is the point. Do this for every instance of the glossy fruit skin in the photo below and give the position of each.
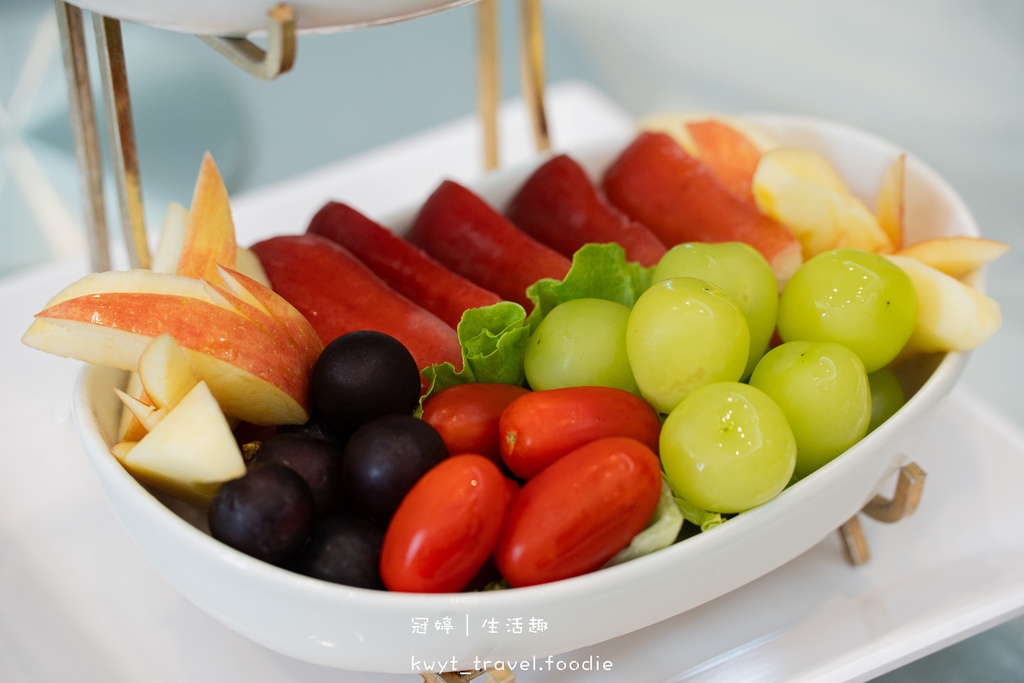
(887, 396)
(543, 426)
(338, 294)
(823, 390)
(684, 333)
(581, 342)
(384, 459)
(407, 269)
(317, 461)
(343, 549)
(466, 416)
(466, 234)
(560, 206)
(728, 448)
(742, 273)
(446, 527)
(576, 514)
(267, 513)
(363, 375)
(851, 297)
(655, 182)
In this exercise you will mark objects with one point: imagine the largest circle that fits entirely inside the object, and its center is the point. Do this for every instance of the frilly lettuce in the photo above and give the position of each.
(494, 337)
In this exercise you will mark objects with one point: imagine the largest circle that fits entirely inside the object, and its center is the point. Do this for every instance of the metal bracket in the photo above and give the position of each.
(263, 64)
(494, 675)
(531, 54)
(909, 487)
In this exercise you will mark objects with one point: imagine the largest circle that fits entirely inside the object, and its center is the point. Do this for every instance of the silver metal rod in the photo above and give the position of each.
(84, 132)
(124, 153)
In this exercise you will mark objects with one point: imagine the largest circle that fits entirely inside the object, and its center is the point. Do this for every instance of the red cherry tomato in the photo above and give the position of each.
(582, 509)
(542, 426)
(446, 526)
(466, 416)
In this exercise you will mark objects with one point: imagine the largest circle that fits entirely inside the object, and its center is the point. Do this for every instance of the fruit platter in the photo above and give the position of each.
(800, 483)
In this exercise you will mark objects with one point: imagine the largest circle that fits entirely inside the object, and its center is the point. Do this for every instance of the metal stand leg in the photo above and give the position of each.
(488, 79)
(909, 487)
(124, 153)
(488, 676)
(84, 132)
(532, 70)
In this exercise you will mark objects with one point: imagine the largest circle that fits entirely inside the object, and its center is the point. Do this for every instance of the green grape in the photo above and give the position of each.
(823, 390)
(851, 297)
(684, 333)
(727, 448)
(742, 272)
(887, 396)
(581, 342)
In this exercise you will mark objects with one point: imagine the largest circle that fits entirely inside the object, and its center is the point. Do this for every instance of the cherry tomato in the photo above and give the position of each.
(466, 416)
(446, 526)
(542, 426)
(575, 515)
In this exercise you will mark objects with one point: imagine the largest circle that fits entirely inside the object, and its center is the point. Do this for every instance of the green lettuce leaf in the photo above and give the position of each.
(494, 337)
(599, 271)
(493, 341)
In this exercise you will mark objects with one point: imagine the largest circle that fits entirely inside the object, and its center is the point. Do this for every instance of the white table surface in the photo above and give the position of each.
(79, 602)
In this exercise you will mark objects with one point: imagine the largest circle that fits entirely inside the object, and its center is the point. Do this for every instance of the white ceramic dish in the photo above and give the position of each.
(242, 17)
(378, 631)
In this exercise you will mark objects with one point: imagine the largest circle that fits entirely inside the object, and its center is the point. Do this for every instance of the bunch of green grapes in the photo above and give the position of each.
(742, 419)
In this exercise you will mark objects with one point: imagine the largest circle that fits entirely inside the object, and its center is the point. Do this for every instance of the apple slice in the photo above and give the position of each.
(256, 375)
(952, 316)
(190, 452)
(248, 263)
(955, 256)
(802, 190)
(172, 239)
(891, 200)
(209, 238)
(165, 372)
(128, 422)
(146, 413)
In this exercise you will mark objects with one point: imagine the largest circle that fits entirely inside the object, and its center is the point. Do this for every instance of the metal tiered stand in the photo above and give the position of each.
(267, 63)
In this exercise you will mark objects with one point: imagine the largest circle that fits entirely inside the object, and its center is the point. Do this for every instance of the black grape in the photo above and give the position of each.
(267, 513)
(385, 457)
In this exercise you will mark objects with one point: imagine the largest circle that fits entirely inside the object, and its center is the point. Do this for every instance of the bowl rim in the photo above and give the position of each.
(935, 388)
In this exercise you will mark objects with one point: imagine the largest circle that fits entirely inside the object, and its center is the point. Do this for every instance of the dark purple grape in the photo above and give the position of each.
(363, 375)
(317, 427)
(385, 457)
(267, 513)
(344, 550)
(317, 461)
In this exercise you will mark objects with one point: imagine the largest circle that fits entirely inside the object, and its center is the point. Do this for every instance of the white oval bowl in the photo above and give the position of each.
(242, 17)
(368, 630)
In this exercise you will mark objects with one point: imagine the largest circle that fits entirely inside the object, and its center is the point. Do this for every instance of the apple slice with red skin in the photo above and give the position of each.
(681, 200)
(110, 318)
(338, 294)
(466, 234)
(209, 238)
(406, 268)
(561, 207)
